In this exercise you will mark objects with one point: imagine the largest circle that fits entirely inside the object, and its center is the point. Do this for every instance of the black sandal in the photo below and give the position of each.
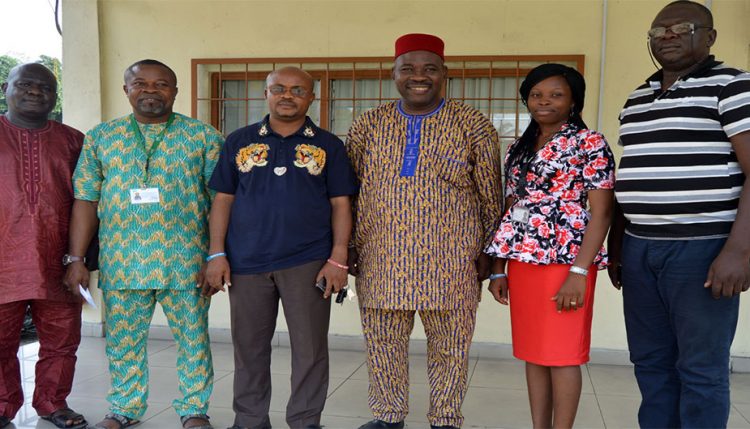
(61, 417)
(4, 421)
(185, 419)
(123, 421)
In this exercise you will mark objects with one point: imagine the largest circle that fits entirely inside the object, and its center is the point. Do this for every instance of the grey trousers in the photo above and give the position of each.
(254, 305)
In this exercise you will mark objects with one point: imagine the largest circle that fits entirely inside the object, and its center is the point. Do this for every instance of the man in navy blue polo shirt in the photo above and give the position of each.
(281, 220)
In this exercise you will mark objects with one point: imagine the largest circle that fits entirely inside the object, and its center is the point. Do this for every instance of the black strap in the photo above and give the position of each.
(522, 182)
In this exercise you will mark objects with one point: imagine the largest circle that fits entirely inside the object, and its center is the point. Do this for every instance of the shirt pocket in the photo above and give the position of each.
(455, 171)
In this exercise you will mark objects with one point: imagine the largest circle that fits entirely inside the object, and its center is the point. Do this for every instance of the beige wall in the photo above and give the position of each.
(176, 31)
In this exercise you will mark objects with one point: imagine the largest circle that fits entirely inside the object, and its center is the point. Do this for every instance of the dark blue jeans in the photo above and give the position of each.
(678, 335)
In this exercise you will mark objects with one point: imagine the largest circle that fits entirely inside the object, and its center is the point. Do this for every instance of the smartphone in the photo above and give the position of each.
(340, 296)
(321, 284)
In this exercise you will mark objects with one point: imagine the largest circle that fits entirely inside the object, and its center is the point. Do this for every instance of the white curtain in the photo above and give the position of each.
(350, 98)
(233, 113)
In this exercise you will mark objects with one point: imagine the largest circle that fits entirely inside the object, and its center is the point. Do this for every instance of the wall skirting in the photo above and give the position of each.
(739, 364)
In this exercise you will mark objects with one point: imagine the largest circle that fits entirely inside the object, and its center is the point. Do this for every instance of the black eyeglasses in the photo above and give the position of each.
(677, 29)
(296, 91)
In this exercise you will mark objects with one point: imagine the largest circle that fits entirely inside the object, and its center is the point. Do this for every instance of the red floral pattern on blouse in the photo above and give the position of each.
(574, 162)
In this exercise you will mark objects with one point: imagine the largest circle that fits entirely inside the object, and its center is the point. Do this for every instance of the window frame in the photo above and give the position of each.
(325, 76)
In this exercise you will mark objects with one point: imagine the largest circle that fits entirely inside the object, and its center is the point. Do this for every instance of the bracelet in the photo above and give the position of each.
(579, 270)
(336, 264)
(214, 256)
(498, 276)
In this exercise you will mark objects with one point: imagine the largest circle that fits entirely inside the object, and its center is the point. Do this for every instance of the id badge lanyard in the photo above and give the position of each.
(149, 151)
(521, 214)
(521, 190)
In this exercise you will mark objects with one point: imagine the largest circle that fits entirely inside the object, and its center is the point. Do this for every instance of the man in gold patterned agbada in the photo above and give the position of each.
(429, 202)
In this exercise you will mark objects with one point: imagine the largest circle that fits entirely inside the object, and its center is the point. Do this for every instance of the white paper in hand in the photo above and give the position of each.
(87, 296)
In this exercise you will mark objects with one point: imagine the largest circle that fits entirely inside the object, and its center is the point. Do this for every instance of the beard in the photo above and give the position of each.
(152, 108)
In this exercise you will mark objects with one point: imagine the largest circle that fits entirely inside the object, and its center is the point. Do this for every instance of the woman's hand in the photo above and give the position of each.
(571, 293)
(499, 290)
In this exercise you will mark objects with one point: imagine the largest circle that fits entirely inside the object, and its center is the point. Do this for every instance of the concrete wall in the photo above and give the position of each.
(102, 37)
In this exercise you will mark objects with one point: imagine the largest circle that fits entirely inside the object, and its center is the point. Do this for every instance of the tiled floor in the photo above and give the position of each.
(496, 396)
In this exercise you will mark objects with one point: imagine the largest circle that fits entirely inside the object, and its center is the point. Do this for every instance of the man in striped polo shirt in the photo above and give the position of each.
(684, 256)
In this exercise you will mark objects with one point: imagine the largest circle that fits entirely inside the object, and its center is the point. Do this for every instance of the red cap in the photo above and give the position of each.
(419, 42)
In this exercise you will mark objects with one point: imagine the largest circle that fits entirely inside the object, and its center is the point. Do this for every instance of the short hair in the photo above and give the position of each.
(292, 69)
(703, 10)
(147, 62)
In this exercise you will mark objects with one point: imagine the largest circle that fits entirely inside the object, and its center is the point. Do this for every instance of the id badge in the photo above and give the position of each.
(144, 196)
(520, 214)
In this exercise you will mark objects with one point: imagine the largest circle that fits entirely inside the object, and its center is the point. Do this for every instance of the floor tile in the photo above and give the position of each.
(496, 397)
(740, 388)
(737, 419)
(613, 380)
(92, 409)
(619, 411)
(280, 390)
(496, 408)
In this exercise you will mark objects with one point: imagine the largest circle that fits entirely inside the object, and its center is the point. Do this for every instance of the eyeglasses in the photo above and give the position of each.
(677, 29)
(296, 91)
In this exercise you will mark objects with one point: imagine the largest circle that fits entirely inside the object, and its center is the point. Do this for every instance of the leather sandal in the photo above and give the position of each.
(122, 421)
(204, 417)
(61, 417)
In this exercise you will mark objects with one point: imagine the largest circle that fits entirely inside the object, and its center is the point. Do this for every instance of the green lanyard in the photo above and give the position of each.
(154, 144)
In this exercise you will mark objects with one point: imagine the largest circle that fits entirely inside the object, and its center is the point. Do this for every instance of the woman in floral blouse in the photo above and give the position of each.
(551, 241)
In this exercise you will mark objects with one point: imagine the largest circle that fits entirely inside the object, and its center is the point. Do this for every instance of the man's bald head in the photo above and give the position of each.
(291, 70)
(703, 11)
(36, 69)
(31, 94)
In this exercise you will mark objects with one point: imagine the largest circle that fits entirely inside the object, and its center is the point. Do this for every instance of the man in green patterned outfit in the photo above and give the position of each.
(143, 179)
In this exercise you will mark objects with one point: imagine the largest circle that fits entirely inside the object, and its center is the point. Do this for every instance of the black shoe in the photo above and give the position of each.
(313, 427)
(380, 424)
(263, 426)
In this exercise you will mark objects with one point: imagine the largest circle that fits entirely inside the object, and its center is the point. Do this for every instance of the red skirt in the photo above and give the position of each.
(541, 335)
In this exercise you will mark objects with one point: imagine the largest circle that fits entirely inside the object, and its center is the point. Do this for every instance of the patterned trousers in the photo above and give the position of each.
(128, 316)
(448, 334)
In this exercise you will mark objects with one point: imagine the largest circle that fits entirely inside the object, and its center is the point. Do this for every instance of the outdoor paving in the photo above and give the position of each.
(496, 397)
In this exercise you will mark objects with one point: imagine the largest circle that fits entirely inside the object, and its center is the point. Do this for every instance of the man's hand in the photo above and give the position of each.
(729, 274)
(614, 269)
(214, 276)
(76, 274)
(614, 246)
(499, 290)
(336, 278)
(352, 260)
(483, 264)
(217, 276)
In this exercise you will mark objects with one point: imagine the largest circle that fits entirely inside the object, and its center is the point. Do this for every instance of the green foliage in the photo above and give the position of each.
(7, 62)
(56, 66)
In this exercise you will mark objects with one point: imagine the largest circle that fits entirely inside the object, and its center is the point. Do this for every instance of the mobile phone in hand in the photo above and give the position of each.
(340, 296)
(321, 284)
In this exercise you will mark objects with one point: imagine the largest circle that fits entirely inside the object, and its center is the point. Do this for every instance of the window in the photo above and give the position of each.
(228, 93)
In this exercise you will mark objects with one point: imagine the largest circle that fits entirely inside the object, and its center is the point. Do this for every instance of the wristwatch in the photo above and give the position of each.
(69, 259)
